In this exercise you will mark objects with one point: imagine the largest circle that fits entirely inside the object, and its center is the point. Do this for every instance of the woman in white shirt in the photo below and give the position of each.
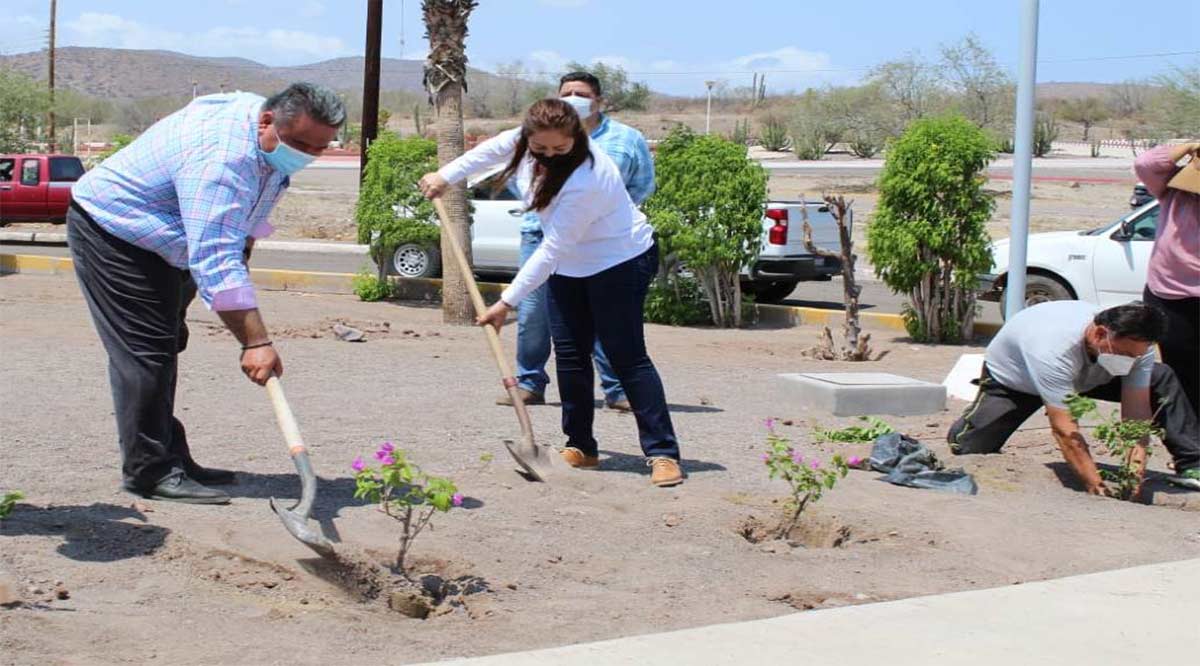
(597, 258)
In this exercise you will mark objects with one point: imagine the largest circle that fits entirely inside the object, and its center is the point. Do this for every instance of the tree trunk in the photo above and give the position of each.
(456, 303)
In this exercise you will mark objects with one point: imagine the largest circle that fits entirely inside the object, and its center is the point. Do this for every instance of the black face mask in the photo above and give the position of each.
(552, 161)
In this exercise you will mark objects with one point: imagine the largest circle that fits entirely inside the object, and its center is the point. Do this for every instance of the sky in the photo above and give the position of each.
(672, 45)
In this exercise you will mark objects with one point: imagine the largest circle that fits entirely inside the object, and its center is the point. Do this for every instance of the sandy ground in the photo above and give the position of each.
(595, 555)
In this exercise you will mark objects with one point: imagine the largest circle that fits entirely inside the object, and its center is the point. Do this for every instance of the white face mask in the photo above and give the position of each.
(582, 105)
(1117, 365)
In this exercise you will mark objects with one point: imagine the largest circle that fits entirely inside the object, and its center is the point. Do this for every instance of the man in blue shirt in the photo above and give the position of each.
(629, 150)
(172, 215)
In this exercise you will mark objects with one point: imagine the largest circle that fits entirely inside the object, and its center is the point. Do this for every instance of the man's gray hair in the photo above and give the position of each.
(317, 101)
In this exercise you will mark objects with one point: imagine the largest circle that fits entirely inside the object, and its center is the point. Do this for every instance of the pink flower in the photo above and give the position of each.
(797, 458)
(766, 457)
(358, 464)
(770, 423)
(815, 464)
(387, 446)
(854, 461)
(456, 499)
(380, 455)
(387, 460)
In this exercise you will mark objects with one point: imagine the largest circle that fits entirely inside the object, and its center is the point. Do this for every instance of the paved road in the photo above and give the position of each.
(875, 296)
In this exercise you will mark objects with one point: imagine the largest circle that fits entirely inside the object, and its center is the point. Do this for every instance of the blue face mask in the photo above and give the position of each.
(285, 159)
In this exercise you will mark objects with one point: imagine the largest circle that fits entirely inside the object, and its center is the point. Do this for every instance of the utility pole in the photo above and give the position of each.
(708, 109)
(194, 84)
(53, 11)
(1014, 297)
(370, 105)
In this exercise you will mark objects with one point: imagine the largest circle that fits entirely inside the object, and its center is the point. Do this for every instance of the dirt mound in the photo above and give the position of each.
(814, 531)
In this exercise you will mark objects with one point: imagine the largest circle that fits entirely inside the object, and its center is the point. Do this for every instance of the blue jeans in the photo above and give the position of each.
(607, 307)
(533, 338)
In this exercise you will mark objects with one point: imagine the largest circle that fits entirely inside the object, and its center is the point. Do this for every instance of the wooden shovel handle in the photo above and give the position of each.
(464, 268)
(285, 417)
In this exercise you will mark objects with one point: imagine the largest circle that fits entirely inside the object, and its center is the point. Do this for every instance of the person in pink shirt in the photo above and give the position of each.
(1173, 278)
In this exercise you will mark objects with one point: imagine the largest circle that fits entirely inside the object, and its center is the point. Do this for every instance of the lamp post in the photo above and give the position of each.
(708, 108)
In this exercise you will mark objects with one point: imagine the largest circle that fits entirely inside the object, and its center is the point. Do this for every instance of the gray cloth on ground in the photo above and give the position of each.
(908, 462)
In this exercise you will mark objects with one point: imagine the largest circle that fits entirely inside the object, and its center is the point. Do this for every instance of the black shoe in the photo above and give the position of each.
(209, 476)
(179, 488)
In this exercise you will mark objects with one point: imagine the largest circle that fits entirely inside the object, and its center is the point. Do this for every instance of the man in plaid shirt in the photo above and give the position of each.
(174, 214)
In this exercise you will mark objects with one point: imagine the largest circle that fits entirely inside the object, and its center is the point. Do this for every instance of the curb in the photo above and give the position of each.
(59, 238)
(429, 291)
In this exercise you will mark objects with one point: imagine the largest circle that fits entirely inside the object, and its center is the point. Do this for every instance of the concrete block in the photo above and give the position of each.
(860, 393)
(958, 382)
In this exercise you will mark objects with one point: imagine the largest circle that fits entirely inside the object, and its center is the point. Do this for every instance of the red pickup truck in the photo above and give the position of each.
(37, 188)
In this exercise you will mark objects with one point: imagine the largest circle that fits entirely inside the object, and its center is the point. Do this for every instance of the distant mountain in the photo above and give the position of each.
(1075, 90)
(133, 74)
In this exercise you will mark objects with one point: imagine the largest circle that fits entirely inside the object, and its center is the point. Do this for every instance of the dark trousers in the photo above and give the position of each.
(608, 306)
(138, 302)
(1181, 348)
(998, 411)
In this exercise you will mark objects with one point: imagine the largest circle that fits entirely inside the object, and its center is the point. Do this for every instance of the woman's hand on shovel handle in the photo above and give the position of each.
(260, 363)
(432, 185)
(495, 315)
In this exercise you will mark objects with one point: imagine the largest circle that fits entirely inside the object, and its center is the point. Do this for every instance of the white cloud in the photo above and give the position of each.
(110, 30)
(564, 4)
(312, 9)
(786, 68)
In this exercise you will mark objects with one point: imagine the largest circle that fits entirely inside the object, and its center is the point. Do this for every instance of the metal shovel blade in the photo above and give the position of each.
(299, 528)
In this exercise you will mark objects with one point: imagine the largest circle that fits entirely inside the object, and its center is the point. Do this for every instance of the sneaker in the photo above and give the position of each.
(621, 405)
(664, 471)
(528, 397)
(1188, 478)
(578, 459)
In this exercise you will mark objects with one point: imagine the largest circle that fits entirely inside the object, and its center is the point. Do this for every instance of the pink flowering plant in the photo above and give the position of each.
(404, 492)
(807, 477)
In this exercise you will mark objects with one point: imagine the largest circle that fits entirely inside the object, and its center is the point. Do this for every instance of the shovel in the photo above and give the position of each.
(295, 519)
(533, 459)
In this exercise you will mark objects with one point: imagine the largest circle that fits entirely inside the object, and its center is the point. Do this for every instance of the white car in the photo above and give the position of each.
(1105, 266)
(782, 262)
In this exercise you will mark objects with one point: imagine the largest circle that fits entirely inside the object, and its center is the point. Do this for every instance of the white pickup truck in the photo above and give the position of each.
(782, 263)
(1105, 266)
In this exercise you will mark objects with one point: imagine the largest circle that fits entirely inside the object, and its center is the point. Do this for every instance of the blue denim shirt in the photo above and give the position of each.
(628, 148)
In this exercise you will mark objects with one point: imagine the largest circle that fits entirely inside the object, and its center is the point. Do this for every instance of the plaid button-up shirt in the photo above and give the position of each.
(191, 189)
(628, 148)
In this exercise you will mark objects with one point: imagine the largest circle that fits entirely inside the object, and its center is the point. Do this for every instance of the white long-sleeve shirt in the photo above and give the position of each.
(590, 226)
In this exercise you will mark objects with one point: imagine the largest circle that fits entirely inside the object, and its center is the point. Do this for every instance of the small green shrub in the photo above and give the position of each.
(1045, 133)
(369, 287)
(1120, 438)
(741, 132)
(405, 493)
(855, 434)
(807, 479)
(808, 140)
(679, 303)
(774, 134)
(8, 501)
(391, 211)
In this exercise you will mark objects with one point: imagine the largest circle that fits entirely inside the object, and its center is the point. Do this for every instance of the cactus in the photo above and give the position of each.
(417, 120)
(1095, 148)
(1045, 132)
(774, 134)
(741, 132)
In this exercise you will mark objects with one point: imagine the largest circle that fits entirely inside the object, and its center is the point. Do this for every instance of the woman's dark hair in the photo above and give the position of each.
(549, 114)
(1139, 321)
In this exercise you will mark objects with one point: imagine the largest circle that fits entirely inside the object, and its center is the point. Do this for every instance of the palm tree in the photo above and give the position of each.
(445, 79)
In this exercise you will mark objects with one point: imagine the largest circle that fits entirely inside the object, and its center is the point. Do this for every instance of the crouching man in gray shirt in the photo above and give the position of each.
(1051, 350)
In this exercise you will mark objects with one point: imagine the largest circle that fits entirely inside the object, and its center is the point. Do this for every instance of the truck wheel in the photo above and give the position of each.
(771, 292)
(416, 261)
(1039, 289)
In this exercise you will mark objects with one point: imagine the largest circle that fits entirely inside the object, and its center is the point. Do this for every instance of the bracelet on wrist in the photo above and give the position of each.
(256, 345)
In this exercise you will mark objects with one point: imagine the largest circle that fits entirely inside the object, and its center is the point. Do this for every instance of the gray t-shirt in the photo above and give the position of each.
(1040, 351)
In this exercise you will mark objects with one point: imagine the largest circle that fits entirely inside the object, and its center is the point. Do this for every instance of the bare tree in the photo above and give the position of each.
(445, 79)
(985, 91)
(911, 84)
(513, 83)
(1086, 111)
(1127, 99)
(858, 344)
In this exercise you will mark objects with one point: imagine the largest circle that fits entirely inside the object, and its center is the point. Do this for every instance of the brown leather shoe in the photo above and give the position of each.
(528, 397)
(578, 459)
(664, 471)
(621, 405)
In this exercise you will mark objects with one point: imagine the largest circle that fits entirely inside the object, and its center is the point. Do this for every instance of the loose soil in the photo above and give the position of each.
(595, 555)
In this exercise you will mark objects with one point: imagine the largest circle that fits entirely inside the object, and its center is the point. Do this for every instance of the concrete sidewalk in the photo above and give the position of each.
(1145, 615)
